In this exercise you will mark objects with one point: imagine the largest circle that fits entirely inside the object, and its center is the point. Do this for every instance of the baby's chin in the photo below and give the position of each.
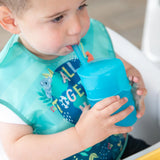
(62, 52)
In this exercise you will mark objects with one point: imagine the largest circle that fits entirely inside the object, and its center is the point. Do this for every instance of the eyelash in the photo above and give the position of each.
(59, 18)
(83, 6)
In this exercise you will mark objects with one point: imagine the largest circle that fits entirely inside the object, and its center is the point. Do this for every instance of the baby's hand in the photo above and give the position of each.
(135, 77)
(139, 92)
(98, 123)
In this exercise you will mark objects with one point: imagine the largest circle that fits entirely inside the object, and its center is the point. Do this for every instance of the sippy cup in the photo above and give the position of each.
(104, 78)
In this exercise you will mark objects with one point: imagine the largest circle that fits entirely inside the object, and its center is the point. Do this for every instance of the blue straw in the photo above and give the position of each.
(79, 54)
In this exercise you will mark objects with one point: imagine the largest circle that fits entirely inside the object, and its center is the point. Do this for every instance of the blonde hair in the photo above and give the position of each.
(16, 6)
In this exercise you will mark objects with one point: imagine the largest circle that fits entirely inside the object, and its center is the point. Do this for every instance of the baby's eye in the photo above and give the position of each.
(57, 19)
(82, 6)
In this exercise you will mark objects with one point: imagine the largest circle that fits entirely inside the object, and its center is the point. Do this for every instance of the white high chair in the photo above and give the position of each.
(146, 128)
(151, 33)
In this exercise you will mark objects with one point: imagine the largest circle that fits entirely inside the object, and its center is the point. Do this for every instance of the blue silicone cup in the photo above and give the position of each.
(106, 78)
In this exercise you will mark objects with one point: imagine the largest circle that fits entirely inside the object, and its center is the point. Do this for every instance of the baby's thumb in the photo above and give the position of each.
(85, 109)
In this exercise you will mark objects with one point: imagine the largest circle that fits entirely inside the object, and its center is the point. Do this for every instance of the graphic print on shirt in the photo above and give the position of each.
(63, 92)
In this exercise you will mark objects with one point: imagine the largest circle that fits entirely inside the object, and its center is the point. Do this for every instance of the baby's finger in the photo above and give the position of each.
(86, 108)
(141, 91)
(141, 111)
(105, 102)
(134, 79)
(121, 115)
(114, 106)
(122, 130)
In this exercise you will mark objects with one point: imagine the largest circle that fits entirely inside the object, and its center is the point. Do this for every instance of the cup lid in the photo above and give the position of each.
(107, 76)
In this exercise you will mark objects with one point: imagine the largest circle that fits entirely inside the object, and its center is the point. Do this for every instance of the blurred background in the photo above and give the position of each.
(124, 16)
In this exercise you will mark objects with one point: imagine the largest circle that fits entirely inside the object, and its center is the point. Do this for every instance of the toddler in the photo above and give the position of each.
(46, 113)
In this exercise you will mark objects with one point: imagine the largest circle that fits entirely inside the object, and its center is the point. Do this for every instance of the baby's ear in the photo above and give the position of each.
(7, 20)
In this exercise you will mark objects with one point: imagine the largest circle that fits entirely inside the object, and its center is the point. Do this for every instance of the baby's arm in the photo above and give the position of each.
(94, 125)
(135, 77)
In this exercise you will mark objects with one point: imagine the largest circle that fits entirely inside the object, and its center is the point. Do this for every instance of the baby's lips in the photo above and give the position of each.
(69, 47)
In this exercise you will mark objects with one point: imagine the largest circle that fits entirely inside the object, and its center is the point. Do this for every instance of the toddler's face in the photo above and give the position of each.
(50, 27)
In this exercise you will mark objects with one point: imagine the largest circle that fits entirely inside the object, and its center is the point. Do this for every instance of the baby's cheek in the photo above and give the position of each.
(50, 45)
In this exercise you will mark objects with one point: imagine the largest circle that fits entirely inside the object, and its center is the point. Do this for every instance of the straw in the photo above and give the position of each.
(79, 54)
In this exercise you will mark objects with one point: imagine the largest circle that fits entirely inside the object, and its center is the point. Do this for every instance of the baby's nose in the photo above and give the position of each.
(75, 27)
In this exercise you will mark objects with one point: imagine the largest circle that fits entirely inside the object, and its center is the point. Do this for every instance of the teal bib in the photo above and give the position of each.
(48, 95)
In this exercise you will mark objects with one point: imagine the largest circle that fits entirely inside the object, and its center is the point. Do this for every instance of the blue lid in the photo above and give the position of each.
(104, 78)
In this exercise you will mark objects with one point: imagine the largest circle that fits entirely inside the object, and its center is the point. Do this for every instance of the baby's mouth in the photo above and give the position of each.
(70, 46)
